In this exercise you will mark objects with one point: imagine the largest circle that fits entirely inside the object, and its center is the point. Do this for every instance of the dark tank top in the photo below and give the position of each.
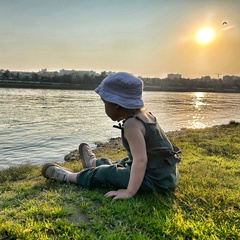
(161, 172)
(158, 146)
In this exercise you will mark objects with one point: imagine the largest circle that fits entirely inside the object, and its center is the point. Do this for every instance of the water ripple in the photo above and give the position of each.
(38, 126)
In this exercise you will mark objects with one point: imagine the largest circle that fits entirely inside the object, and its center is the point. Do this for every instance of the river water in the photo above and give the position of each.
(38, 126)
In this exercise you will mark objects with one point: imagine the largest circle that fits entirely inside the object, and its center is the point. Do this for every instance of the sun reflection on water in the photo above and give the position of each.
(198, 98)
(198, 102)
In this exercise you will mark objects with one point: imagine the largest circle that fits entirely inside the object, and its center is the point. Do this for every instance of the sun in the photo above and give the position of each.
(205, 35)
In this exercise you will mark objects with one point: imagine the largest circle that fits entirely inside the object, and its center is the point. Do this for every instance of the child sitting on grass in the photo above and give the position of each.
(151, 162)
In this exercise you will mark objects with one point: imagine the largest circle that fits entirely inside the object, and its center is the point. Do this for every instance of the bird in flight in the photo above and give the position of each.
(224, 23)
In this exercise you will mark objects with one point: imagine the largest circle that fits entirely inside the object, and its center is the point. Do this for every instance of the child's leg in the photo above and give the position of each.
(92, 177)
(72, 178)
(104, 175)
(103, 161)
(88, 157)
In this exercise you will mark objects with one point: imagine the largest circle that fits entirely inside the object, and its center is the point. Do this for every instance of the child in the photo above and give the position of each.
(151, 161)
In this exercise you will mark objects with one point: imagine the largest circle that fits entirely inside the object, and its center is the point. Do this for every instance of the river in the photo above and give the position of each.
(39, 125)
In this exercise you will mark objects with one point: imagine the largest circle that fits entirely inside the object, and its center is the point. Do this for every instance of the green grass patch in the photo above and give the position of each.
(206, 204)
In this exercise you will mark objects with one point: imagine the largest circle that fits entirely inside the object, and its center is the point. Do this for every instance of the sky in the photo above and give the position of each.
(149, 38)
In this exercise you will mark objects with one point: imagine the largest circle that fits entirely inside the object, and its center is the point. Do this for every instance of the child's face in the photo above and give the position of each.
(112, 111)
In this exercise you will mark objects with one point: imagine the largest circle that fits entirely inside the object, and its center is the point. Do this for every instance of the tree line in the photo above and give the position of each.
(227, 84)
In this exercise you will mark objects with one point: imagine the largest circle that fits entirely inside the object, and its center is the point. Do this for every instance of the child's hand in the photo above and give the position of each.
(119, 194)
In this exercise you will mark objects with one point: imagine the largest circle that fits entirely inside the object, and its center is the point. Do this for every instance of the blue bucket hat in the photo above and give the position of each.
(123, 89)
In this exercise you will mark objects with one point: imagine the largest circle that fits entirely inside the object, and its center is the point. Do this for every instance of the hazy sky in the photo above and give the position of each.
(144, 37)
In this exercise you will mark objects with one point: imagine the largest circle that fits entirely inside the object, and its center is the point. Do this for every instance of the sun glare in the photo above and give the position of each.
(205, 35)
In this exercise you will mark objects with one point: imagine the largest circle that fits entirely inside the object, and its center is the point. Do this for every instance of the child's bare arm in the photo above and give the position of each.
(134, 133)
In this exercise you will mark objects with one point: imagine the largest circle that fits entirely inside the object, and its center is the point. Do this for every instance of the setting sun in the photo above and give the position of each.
(205, 35)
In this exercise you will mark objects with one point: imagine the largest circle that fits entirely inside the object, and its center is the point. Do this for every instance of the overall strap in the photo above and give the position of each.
(139, 119)
(120, 125)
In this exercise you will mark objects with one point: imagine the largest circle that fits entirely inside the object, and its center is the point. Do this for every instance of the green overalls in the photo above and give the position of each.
(161, 173)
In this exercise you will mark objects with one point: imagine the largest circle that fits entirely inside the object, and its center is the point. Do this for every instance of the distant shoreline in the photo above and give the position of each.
(93, 86)
(49, 86)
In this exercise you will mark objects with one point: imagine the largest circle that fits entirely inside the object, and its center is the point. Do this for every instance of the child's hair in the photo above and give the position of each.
(123, 89)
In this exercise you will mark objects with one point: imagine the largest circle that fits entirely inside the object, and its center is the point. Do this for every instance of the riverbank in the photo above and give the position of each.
(205, 205)
(49, 86)
(60, 86)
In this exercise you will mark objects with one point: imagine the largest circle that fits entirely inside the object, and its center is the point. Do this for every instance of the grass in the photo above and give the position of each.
(206, 204)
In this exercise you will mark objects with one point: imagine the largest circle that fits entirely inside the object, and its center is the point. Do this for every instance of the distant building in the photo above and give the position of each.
(43, 70)
(75, 72)
(206, 78)
(45, 73)
(174, 76)
(228, 78)
(22, 74)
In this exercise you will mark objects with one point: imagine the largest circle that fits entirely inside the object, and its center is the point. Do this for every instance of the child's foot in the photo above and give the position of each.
(87, 156)
(55, 172)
